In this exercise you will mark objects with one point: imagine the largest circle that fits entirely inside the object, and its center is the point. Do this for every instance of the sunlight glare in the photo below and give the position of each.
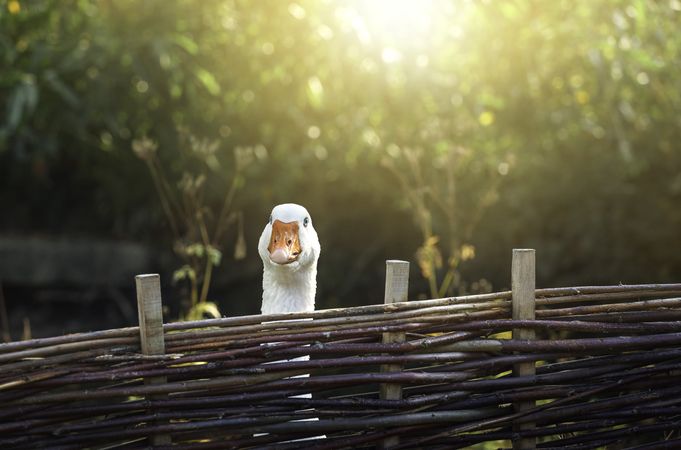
(399, 17)
(397, 26)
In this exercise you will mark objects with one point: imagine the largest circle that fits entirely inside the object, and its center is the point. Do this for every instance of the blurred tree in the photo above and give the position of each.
(512, 123)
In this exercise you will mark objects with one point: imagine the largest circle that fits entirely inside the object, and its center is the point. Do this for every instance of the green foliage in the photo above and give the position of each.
(451, 132)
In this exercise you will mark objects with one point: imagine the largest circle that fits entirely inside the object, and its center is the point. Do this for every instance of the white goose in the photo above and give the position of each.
(289, 248)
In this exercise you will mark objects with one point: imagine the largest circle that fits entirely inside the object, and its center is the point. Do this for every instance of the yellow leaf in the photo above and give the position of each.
(240, 248)
(431, 241)
(467, 252)
(198, 311)
(429, 257)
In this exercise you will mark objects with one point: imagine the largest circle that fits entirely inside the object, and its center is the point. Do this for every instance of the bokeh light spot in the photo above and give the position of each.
(503, 168)
(297, 11)
(142, 86)
(390, 55)
(582, 97)
(486, 118)
(13, 7)
(313, 132)
(267, 48)
(642, 78)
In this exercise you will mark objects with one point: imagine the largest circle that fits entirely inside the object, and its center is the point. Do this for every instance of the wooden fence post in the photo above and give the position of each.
(150, 312)
(396, 290)
(523, 304)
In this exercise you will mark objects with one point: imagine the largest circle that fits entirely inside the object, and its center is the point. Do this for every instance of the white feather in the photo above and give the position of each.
(290, 287)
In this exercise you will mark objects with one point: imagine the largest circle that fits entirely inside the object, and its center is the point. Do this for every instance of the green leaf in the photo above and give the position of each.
(214, 255)
(195, 250)
(58, 86)
(187, 44)
(31, 93)
(184, 272)
(16, 108)
(208, 80)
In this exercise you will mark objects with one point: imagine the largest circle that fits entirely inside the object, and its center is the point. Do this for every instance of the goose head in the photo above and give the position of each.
(289, 249)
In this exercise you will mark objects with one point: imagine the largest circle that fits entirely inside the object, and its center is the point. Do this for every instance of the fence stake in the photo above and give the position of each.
(149, 308)
(523, 305)
(396, 290)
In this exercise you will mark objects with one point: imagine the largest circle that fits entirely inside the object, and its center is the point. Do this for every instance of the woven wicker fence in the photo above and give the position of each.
(578, 367)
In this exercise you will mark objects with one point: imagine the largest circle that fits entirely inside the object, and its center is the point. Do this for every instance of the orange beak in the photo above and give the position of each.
(284, 245)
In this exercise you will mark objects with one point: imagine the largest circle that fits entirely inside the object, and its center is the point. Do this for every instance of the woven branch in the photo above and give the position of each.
(607, 364)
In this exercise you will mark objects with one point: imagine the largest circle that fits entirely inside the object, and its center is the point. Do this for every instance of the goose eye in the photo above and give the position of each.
(306, 221)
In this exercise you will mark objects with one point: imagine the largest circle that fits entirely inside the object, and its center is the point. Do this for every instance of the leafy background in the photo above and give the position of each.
(442, 132)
